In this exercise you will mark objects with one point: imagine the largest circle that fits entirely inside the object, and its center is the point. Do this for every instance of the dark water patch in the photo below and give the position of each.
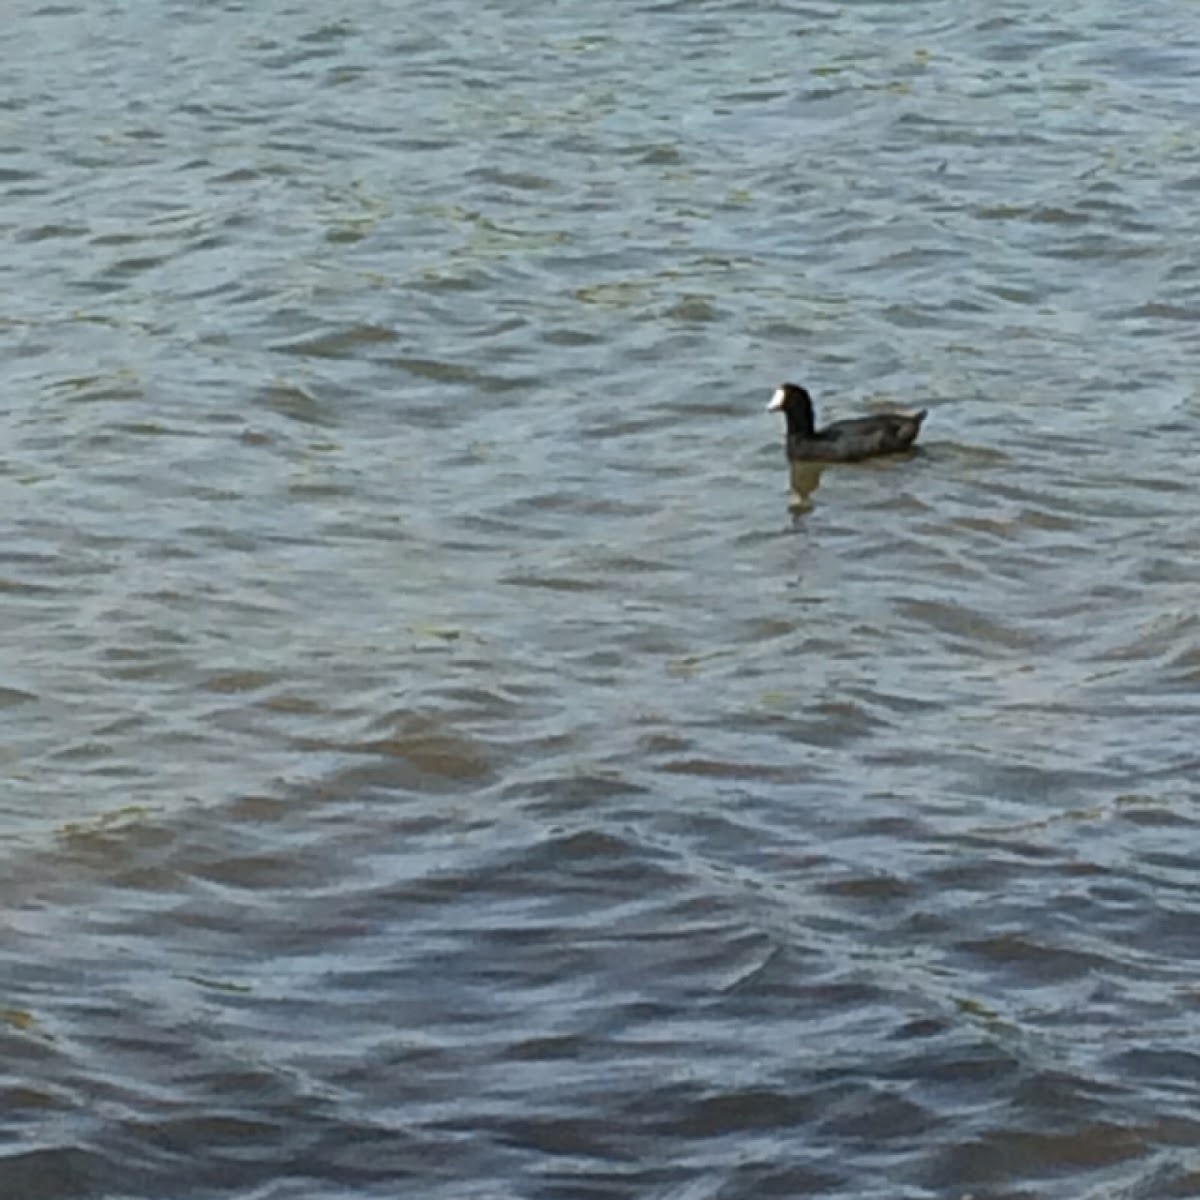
(432, 757)
(338, 344)
(1034, 963)
(1044, 1155)
(295, 402)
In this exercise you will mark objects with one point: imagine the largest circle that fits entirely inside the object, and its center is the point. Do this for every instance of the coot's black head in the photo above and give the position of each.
(789, 398)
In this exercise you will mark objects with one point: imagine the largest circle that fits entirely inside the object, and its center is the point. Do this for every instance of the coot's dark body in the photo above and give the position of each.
(841, 441)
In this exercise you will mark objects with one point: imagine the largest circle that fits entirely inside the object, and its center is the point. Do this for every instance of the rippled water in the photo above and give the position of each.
(436, 764)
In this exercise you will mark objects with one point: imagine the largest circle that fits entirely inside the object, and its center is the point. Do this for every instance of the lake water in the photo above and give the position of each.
(436, 763)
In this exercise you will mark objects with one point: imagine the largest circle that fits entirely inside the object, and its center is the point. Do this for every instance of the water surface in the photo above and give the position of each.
(435, 760)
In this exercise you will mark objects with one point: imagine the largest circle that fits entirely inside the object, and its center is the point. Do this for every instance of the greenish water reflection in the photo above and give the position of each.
(805, 479)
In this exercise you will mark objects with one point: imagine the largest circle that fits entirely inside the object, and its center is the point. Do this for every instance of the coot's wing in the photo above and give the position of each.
(855, 427)
(865, 437)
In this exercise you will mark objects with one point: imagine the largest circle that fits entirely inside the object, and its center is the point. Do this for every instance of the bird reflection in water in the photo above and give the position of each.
(806, 478)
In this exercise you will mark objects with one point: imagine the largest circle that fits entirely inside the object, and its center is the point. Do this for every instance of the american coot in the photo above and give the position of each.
(843, 441)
